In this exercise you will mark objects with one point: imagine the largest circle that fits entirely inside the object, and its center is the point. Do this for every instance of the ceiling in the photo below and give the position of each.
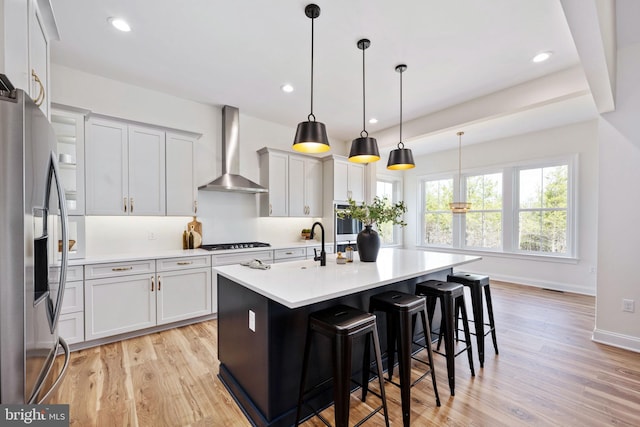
(240, 53)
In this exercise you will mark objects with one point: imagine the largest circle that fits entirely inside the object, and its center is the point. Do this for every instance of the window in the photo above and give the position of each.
(390, 188)
(542, 209)
(483, 223)
(524, 209)
(438, 219)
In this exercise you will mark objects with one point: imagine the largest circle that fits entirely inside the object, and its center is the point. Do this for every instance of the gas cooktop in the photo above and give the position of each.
(226, 246)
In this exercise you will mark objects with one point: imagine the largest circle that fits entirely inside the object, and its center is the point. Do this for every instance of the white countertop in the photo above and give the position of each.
(298, 283)
(177, 253)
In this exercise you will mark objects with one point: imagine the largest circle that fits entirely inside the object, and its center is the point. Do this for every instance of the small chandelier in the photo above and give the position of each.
(401, 158)
(311, 136)
(365, 148)
(460, 207)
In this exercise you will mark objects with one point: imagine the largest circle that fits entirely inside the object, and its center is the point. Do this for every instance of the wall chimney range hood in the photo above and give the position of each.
(231, 180)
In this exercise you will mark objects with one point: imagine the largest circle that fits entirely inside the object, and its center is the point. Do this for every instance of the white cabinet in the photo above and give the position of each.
(294, 183)
(347, 179)
(305, 186)
(184, 288)
(117, 300)
(27, 28)
(180, 176)
(71, 321)
(274, 174)
(69, 130)
(128, 296)
(125, 169)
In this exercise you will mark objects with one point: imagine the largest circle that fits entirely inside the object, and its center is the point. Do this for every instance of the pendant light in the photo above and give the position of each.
(401, 158)
(365, 148)
(311, 136)
(460, 207)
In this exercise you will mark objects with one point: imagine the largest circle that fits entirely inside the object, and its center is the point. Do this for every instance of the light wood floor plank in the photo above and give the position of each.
(548, 373)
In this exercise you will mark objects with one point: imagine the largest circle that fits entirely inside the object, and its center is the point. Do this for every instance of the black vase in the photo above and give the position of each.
(368, 244)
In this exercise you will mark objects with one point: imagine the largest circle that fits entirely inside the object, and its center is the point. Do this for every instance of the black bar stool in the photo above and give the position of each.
(401, 310)
(449, 294)
(341, 324)
(476, 284)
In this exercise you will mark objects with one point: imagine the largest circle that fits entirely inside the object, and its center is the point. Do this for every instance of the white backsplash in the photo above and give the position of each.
(226, 217)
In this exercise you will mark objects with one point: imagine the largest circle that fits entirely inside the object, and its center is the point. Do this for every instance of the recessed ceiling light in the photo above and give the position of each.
(287, 88)
(542, 56)
(120, 24)
(373, 120)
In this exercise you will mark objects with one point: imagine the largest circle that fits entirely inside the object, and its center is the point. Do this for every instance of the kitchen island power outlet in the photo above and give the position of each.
(629, 305)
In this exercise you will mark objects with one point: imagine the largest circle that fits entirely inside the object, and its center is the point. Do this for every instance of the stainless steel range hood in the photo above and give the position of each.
(231, 180)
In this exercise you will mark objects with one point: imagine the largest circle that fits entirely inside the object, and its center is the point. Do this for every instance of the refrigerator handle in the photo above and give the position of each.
(67, 356)
(62, 203)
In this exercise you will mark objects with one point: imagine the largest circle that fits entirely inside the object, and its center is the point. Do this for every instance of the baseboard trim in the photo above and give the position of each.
(614, 339)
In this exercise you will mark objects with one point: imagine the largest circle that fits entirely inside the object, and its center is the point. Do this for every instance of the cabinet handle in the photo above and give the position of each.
(289, 253)
(185, 262)
(125, 204)
(159, 283)
(121, 268)
(195, 206)
(270, 209)
(40, 98)
(131, 204)
(151, 283)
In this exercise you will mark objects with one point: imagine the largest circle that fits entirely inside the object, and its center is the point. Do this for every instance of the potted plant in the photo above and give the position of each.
(380, 211)
(305, 233)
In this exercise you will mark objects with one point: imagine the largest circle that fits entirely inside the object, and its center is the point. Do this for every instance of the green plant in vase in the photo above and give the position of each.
(380, 211)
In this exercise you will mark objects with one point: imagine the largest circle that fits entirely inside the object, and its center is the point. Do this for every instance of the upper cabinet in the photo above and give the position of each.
(125, 169)
(274, 174)
(305, 186)
(28, 28)
(294, 182)
(344, 180)
(180, 179)
(69, 129)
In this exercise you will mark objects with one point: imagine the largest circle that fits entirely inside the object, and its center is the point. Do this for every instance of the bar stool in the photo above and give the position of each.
(401, 310)
(449, 294)
(476, 284)
(341, 324)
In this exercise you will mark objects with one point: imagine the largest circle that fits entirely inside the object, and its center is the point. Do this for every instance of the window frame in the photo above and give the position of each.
(510, 209)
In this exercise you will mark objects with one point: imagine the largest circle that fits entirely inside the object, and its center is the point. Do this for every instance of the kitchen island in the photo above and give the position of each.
(262, 320)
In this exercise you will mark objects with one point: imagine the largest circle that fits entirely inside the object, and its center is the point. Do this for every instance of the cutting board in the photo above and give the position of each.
(197, 226)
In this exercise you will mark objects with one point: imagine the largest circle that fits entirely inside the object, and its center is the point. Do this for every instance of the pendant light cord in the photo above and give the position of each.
(401, 144)
(460, 164)
(311, 115)
(364, 132)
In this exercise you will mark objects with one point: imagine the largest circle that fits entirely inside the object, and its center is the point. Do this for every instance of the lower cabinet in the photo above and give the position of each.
(123, 302)
(71, 321)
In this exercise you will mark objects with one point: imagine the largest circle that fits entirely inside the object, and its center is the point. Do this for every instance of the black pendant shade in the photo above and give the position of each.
(365, 148)
(311, 136)
(401, 158)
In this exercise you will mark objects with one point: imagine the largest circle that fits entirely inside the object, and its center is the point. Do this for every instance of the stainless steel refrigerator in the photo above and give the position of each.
(33, 252)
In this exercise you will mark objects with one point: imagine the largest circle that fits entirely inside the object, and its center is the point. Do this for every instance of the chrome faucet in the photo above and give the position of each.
(323, 255)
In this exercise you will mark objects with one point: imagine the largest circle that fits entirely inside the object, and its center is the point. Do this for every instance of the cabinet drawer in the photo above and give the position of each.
(327, 248)
(290, 253)
(236, 258)
(183, 263)
(73, 300)
(74, 273)
(99, 271)
(71, 327)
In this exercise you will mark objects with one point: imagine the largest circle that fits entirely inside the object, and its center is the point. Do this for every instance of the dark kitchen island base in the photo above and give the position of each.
(261, 368)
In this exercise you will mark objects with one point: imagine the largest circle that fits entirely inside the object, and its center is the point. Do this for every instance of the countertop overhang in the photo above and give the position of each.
(296, 284)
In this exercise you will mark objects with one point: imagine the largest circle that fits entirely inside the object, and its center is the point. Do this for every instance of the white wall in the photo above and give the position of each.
(226, 217)
(578, 139)
(619, 204)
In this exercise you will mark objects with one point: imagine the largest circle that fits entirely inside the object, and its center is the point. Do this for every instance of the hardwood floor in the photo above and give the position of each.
(548, 373)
